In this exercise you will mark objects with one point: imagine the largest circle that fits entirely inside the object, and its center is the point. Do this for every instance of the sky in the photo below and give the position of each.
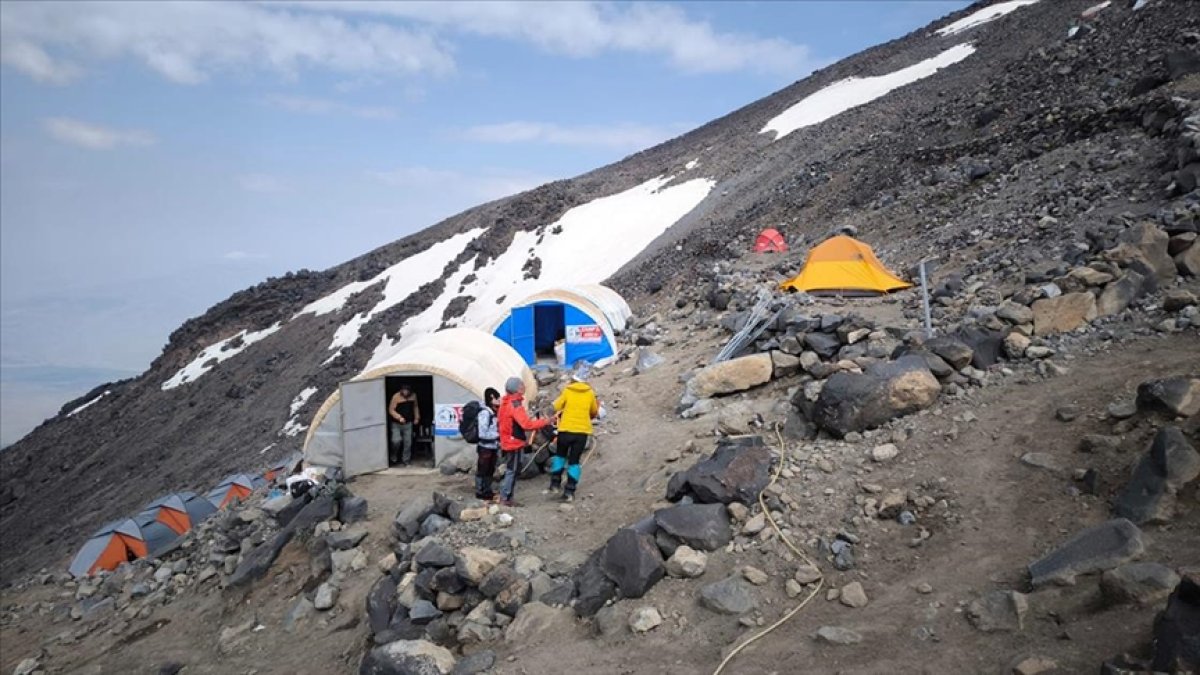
(157, 157)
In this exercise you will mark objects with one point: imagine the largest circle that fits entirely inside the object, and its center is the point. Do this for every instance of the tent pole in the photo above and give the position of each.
(925, 302)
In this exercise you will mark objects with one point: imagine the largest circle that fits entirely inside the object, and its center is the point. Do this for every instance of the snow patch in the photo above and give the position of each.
(1140, 4)
(983, 16)
(1095, 9)
(588, 244)
(293, 428)
(301, 399)
(691, 165)
(89, 404)
(855, 91)
(218, 352)
(401, 279)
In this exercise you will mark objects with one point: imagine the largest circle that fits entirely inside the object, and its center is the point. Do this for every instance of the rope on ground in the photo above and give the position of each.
(820, 581)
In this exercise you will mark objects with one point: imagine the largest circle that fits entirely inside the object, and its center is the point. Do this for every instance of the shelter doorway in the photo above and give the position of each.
(422, 386)
(549, 326)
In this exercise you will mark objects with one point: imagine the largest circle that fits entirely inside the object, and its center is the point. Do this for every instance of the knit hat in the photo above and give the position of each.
(513, 385)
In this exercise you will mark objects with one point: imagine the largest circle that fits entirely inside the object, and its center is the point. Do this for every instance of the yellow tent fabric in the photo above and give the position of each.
(842, 263)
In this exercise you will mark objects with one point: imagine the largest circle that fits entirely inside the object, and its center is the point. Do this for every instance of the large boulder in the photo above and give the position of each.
(1170, 463)
(1152, 243)
(986, 345)
(1095, 549)
(1141, 583)
(1064, 313)
(593, 587)
(1179, 396)
(998, 611)
(1187, 262)
(858, 401)
(632, 561)
(737, 471)
(407, 657)
(951, 349)
(381, 603)
(474, 563)
(704, 527)
(407, 523)
(731, 376)
(1119, 294)
(1177, 629)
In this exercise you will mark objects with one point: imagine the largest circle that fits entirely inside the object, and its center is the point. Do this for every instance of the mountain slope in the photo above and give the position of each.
(990, 128)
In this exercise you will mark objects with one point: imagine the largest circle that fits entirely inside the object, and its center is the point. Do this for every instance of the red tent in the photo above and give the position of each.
(769, 240)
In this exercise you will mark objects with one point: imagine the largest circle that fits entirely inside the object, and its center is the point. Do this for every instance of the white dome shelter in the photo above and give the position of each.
(445, 369)
(585, 317)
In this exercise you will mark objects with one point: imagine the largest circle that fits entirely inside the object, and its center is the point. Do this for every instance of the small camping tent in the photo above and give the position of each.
(446, 369)
(115, 543)
(844, 265)
(237, 486)
(284, 467)
(587, 317)
(165, 518)
(770, 241)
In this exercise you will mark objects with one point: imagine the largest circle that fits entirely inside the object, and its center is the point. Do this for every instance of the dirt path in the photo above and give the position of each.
(999, 514)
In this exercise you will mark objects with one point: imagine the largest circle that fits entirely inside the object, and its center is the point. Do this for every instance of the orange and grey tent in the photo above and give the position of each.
(844, 265)
(284, 467)
(117, 542)
(237, 486)
(167, 517)
(770, 241)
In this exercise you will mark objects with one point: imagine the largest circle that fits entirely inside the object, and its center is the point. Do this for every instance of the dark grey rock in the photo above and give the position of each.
(998, 611)
(433, 524)
(951, 350)
(1178, 396)
(406, 658)
(859, 401)
(737, 471)
(407, 523)
(731, 595)
(446, 580)
(593, 587)
(825, 345)
(560, 593)
(632, 561)
(381, 603)
(433, 554)
(475, 663)
(1177, 629)
(501, 577)
(422, 612)
(986, 345)
(1095, 549)
(704, 527)
(344, 540)
(352, 510)
(1140, 583)
(1169, 464)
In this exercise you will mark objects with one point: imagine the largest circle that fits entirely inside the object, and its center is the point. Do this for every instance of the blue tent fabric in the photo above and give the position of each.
(589, 337)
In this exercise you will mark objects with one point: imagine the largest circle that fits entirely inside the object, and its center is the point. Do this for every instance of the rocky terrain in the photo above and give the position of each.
(1015, 493)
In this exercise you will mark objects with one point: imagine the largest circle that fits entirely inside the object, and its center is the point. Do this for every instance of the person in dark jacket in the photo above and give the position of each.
(488, 445)
(513, 418)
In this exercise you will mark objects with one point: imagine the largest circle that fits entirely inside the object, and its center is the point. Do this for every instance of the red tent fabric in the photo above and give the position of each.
(770, 241)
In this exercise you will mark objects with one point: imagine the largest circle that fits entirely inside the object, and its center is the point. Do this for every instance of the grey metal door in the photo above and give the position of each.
(364, 426)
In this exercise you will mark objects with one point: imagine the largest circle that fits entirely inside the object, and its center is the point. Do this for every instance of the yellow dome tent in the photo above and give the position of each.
(842, 264)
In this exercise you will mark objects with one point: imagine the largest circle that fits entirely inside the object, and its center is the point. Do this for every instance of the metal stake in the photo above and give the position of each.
(925, 302)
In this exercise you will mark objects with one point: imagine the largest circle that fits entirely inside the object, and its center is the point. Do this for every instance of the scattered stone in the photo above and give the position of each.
(593, 587)
(1016, 344)
(885, 452)
(807, 574)
(407, 523)
(423, 612)
(728, 596)
(1118, 295)
(686, 563)
(1041, 460)
(27, 666)
(408, 657)
(755, 575)
(1034, 665)
(644, 619)
(352, 510)
(1170, 463)
(1064, 313)
(433, 524)
(1143, 583)
(1094, 549)
(1099, 443)
(1176, 647)
(1015, 313)
(326, 597)
(792, 588)
(345, 539)
(474, 563)
(538, 621)
(434, 554)
(836, 635)
(754, 525)
(1179, 396)
(853, 595)
(1067, 413)
(476, 663)
(999, 611)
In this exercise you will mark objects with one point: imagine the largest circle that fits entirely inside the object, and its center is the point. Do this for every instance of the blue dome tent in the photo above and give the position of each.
(586, 318)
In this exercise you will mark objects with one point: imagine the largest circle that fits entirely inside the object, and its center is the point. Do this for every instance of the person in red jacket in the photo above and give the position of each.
(515, 426)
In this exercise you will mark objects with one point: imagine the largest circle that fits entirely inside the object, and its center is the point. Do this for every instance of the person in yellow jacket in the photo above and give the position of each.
(577, 406)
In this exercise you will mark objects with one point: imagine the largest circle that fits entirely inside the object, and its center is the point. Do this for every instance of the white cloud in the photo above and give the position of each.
(93, 136)
(237, 256)
(626, 136)
(262, 183)
(583, 29)
(321, 106)
(188, 42)
(487, 184)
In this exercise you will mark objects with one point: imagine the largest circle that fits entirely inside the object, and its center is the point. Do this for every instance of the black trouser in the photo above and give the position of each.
(566, 457)
(485, 468)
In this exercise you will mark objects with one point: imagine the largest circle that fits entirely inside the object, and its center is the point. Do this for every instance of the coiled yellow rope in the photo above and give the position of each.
(820, 581)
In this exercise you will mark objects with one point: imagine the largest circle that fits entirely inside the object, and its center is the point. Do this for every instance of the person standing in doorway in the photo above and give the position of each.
(488, 445)
(405, 411)
(577, 406)
(515, 427)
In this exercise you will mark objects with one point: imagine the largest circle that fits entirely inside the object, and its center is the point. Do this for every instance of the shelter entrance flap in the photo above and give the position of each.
(364, 426)
(423, 433)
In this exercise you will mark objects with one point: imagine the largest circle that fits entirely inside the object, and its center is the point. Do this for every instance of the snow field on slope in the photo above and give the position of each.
(89, 404)
(588, 244)
(402, 280)
(983, 16)
(852, 92)
(220, 351)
